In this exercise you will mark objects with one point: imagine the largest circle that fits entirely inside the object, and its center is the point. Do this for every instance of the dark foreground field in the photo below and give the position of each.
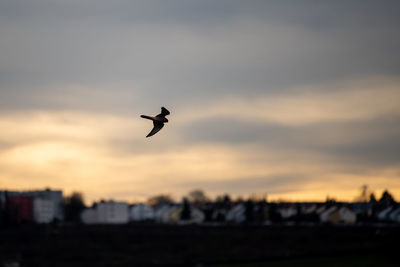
(144, 245)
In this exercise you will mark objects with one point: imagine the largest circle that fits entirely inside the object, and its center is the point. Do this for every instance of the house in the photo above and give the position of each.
(395, 215)
(141, 212)
(288, 212)
(237, 214)
(219, 215)
(362, 208)
(383, 214)
(337, 215)
(175, 214)
(347, 216)
(330, 215)
(308, 209)
(163, 212)
(320, 210)
(197, 216)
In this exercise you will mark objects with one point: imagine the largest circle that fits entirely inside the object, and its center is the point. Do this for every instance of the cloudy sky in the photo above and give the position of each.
(294, 99)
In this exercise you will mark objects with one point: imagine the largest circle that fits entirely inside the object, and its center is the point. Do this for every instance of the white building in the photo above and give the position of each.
(197, 216)
(347, 216)
(395, 215)
(43, 210)
(329, 215)
(163, 213)
(320, 210)
(237, 214)
(172, 214)
(89, 216)
(309, 209)
(142, 212)
(383, 215)
(107, 212)
(337, 215)
(288, 212)
(113, 212)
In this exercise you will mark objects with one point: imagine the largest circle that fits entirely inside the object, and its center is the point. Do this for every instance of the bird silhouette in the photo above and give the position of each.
(158, 121)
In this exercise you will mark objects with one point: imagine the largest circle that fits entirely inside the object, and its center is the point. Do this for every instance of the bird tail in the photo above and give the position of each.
(146, 117)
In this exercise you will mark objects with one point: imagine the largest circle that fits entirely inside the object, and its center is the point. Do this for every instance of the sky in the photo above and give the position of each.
(296, 100)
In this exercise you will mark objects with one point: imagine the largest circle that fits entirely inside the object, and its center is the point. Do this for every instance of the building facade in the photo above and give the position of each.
(45, 205)
(43, 210)
(106, 212)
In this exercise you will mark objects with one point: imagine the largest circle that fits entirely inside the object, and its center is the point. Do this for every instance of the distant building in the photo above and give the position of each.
(288, 212)
(347, 216)
(237, 214)
(395, 215)
(3, 200)
(89, 216)
(106, 212)
(166, 214)
(219, 215)
(197, 216)
(337, 215)
(320, 210)
(19, 209)
(113, 212)
(175, 214)
(172, 214)
(309, 209)
(54, 196)
(141, 212)
(384, 214)
(362, 208)
(330, 215)
(43, 210)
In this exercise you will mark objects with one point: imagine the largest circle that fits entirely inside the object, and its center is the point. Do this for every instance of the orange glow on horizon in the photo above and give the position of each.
(106, 156)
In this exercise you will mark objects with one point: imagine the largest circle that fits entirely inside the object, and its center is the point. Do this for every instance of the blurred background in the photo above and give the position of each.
(282, 112)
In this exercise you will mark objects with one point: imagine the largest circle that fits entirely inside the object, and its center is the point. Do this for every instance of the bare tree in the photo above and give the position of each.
(160, 199)
(197, 196)
(365, 194)
(372, 198)
(387, 198)
(73, 206)
(223, 198)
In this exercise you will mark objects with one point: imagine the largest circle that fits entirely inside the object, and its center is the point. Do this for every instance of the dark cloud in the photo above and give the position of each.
(4, 145)
(374, 142)
(231, 130)
(385, 152)
(187, 51)
(309, 13)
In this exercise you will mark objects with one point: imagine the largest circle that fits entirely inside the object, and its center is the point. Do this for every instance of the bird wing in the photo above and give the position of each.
(157, 127)
(164, 112)
(146, 117)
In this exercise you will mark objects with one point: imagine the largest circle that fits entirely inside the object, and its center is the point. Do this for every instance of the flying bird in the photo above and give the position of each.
(158, 121)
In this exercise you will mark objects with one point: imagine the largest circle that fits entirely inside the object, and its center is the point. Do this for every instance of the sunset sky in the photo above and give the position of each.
(294, 99)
